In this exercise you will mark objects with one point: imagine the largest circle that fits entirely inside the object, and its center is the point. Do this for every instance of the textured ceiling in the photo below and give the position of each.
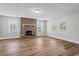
(48, 10)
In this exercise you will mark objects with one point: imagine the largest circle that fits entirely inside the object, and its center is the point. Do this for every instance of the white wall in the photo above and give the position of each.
(72, 27)
(0, 25)
(4, 27)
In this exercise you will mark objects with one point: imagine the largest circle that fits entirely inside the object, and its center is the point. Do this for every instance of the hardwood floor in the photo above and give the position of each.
(40, 46)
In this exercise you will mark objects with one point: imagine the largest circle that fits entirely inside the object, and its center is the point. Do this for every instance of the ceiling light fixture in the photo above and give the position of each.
(37, 11)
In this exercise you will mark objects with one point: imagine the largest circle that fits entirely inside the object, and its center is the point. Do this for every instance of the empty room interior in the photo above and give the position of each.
(39, 29)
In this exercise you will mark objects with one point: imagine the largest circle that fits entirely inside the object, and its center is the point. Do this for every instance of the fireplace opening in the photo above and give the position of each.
(28, 33)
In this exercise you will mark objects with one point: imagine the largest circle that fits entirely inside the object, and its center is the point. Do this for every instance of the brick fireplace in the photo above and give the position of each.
(29, 30)
(28, 27)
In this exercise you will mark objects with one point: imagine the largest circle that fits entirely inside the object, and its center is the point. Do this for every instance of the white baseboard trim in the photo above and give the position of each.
(65, 39)
(1, 38)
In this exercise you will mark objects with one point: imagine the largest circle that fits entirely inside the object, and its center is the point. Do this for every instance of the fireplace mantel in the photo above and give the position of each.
(28, 25)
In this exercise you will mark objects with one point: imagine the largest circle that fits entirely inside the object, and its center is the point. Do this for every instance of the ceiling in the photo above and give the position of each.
(48, 10)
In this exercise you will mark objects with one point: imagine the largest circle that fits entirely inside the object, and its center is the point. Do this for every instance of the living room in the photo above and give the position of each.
(39, 29)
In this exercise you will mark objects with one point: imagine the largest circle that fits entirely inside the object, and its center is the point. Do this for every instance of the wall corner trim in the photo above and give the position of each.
(73, 41)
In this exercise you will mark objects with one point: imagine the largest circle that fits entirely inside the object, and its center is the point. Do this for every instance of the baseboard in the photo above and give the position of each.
(8, 38)
(73, 41)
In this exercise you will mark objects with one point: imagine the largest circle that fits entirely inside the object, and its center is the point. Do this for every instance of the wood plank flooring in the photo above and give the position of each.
(40, 46)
